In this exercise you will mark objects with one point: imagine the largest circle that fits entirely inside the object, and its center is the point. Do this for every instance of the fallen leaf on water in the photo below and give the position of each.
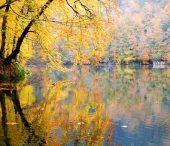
(11, 123)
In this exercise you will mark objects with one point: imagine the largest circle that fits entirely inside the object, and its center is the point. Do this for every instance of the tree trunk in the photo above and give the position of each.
(14, 53)
(4, 28)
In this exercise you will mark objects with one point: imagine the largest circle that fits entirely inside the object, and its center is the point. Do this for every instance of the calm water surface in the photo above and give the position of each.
(88, 106)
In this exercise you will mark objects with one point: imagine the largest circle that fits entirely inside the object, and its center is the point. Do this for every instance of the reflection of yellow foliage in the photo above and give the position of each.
(128, 73)
(83, 116)
(74, 112)
(167, 56)
(146, 72)
(97, 96)
(56, 89)
(167, 73)
(26, 95)
(128, 70)
(85, 70)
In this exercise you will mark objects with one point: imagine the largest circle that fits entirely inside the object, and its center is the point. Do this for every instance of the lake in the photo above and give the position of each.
(88, 106)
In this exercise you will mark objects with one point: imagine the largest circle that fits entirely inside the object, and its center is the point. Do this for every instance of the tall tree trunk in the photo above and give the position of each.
(14, 53)
(4, 28)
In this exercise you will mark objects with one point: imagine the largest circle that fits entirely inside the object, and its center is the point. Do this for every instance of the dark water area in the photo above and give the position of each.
(88, 106)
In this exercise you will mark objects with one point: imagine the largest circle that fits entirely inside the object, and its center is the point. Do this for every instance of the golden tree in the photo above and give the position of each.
(29, 25)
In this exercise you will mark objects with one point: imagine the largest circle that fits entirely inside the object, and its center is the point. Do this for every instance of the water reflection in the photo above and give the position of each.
(13, 96)
(92, 105)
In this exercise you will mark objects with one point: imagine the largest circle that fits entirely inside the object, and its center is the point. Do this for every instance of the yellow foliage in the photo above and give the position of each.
(27, 95)
(81, 24)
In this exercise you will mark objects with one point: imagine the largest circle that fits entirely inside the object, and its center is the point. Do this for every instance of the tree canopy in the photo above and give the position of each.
(49, 26)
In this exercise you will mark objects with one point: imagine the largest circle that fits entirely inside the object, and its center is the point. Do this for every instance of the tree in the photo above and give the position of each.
(72, 23)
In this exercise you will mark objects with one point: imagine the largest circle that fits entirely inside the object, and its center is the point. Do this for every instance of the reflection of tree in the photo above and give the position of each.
(127, 91)
(137, 93)
(13, 94)
(77, 108)
(4, 119)
(74, 112)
